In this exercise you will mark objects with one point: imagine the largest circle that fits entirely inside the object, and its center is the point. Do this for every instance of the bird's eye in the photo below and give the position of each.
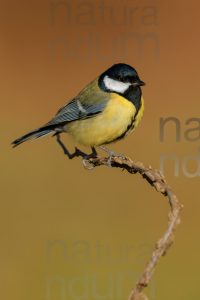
(126, 79)
(122, 79)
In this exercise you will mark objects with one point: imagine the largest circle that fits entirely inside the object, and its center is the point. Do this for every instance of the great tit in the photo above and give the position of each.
(106, 110)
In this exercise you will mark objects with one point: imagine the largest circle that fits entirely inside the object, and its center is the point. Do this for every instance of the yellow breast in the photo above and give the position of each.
(106, 126)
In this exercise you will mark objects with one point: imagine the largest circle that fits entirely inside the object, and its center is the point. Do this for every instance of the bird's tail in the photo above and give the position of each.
(33, 135)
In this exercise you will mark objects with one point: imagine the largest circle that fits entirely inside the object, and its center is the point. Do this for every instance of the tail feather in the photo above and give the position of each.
(32, 135)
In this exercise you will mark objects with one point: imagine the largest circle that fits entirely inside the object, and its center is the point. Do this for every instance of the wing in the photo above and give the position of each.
(86, 105)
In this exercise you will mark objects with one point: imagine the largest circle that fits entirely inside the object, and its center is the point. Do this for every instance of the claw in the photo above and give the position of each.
(111, 154)
(87, 165)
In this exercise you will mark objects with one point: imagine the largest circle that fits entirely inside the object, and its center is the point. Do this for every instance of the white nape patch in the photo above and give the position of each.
(116, 85)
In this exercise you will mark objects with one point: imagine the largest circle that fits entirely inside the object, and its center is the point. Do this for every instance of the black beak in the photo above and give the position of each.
(138, 83)
(141, 82)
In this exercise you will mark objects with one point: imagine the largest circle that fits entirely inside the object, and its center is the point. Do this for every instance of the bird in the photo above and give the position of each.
(105, 111)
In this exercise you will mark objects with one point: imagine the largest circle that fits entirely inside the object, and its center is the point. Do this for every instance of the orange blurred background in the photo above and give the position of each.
(68, 233)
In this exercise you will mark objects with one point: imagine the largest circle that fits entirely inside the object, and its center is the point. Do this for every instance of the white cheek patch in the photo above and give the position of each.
(116, 85)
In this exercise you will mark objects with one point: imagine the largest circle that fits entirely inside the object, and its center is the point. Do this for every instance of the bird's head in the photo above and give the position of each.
(119, 78)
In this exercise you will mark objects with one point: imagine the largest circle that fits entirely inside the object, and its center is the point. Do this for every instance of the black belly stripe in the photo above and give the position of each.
(129, 127)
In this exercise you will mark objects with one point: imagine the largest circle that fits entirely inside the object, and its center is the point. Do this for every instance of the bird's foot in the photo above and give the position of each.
(111, 154)
(86, 159)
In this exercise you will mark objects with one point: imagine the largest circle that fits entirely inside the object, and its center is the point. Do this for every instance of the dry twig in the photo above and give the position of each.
(157, 180)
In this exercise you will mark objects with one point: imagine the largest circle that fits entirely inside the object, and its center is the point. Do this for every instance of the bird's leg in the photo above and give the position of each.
(77, 151)
(111, 154)
(94, 153)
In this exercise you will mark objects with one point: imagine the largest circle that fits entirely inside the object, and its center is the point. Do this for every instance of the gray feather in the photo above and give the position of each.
(75, 110)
